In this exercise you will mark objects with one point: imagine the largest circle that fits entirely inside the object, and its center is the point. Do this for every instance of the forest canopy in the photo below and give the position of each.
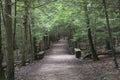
(28, 27)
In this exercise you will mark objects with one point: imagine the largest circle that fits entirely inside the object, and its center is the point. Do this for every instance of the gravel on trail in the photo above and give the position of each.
(58, 64)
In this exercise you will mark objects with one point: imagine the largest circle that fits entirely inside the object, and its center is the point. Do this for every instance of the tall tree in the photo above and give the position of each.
(110, 34)
(94, 54)
(26, 31)
(9, 37)
(0, 41)
(14, 29)
(1, 54)
(31, 49)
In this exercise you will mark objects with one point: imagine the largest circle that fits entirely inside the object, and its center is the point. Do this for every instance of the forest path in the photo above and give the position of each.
(58, 64)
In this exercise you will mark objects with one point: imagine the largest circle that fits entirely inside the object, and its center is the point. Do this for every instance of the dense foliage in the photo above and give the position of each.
(34, 24)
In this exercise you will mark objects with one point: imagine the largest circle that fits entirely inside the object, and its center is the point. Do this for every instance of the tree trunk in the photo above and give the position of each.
(94, 54)
(119, 7)
(26, 31)
(0, 43)
(35, 48)
(108, 47)
(31, 44)
(14, 32)
(1, 54)
(2, 76)
(110, 34)
(9, 37)
(94, 33)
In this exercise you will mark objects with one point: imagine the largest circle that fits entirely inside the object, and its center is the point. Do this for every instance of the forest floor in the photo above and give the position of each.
(58, 64)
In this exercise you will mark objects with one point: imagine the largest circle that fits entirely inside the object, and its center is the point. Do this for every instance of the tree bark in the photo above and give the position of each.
(14, 32)
(108, 47)
(35, 48)
(9, 37)
(94, 53)
(110, 34)
(1, 54)
(31, 44)
(26, 31)
(0, 42)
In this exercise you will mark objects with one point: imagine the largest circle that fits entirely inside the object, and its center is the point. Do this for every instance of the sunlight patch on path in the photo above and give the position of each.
(60, 57)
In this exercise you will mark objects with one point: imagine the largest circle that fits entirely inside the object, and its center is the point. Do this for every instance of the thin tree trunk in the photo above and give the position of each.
(26, 32)
(14, 32)
(31, 44)
(9, 37)
(108, 47)
(34, 42)
(94, 53)
(94, 33)
(0, 41)
(2, 12)
(2, 75)
(1, 54)
(119, 18)
(110, 34)
(119, 7)
(35, 48)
